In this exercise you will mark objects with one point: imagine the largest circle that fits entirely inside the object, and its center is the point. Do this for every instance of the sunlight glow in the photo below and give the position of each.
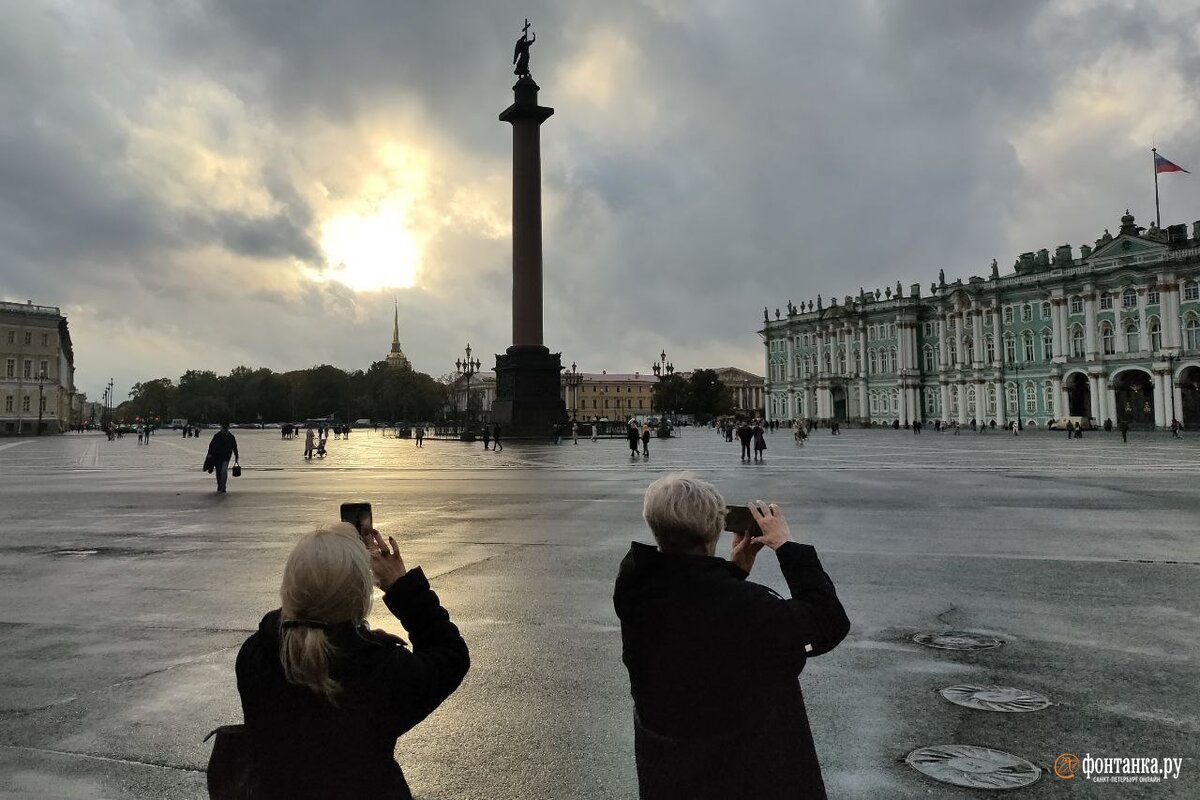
(372, 251)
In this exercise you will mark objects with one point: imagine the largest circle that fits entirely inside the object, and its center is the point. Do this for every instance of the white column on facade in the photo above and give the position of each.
(914, 402)
(1170, 317)
(863, 410)
(1056, 328)
(1057, 394)
(1143, 331)
(1177, 395)
(943, 349)
(944, 397)
(862, 350)
(997, 339)
(1160, 399)
(963, 419)
(959, 329)
(790, 371)
(1110, 403)
(1001, 420)
(1118, 332)
(1089, 309)
(1094, 392)
(977, 336)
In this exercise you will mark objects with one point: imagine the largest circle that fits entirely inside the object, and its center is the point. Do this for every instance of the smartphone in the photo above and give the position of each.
(740, 519)
(358, 515)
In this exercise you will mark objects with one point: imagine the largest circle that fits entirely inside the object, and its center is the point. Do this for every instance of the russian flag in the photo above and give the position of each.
(1162, 165)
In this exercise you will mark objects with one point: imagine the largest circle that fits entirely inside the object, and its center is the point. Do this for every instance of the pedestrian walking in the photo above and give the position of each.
(1176, 426)
(221, 447)
(496, 446)
(309, 445)
(575, 431)
(595, 429)
(745, 435)
(558, 433)
(646, 439)
(141, 433)
(487, 437)
(1124, 426)
(631, 433)
(760, 443)
(420, 436)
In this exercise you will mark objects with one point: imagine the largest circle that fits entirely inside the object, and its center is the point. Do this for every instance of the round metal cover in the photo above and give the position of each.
(957, 640)
(995, 698)
(973, 767)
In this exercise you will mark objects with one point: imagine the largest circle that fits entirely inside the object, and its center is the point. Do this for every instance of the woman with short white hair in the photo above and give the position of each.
(324, 696)
(714, 659)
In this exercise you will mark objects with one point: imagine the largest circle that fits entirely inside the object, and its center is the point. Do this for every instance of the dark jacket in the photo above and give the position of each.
(759, 442)
(307, 748)
(745, 433)
(222, 446)
(714, 662)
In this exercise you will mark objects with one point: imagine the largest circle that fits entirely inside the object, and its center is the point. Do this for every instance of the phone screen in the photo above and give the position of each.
(358, 515)
(739, 519)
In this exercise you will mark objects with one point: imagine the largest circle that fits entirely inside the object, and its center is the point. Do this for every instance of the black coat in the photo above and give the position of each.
(222, 446)
(714, 662)
(307, 748)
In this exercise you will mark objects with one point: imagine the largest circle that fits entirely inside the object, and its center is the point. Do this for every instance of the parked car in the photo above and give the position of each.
(362, 423)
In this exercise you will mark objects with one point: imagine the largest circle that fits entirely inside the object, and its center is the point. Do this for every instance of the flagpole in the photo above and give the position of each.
(1154, 164)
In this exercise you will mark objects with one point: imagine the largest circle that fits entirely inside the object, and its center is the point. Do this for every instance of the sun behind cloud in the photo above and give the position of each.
(372, 251)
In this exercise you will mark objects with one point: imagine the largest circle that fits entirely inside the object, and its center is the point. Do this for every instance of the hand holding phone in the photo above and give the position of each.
(739, 519)
(358, 515)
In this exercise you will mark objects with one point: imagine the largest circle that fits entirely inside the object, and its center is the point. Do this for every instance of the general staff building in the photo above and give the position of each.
(1111, 335)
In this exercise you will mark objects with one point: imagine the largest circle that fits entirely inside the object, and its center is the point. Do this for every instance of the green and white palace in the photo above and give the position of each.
(1111, 335)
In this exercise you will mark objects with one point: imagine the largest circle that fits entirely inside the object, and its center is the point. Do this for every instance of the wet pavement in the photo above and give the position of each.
(127, 585)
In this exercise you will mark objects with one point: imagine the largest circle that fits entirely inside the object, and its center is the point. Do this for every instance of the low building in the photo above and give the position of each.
(38, 379)
(609, 395)
(1113, 334)
(471, 398)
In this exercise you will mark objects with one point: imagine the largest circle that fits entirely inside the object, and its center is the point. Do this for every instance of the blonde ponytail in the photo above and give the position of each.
(327, 581)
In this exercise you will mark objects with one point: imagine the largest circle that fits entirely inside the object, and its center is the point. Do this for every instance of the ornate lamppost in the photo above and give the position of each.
(1171, 359)
(572, 379)
(468, 368)
(1017, 369)
(662, 369)
(904, 373)
(41, 399)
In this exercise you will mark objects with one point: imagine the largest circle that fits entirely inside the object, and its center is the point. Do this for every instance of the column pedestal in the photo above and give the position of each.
(528, 403)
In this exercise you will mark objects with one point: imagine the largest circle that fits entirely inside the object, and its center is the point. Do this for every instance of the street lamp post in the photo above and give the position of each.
(468, 368)
(1017, 369)
(904, 373)
(1171, 359)
(661, 369)
(41, 399)
(572, 379)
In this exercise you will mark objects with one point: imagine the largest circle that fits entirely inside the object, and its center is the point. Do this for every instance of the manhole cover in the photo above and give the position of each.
(75, 552)
(957, 640)
(995, 698)
(973, 767)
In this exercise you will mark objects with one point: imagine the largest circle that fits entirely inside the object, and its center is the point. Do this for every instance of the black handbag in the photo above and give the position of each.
(208, 464)
(237, 470)
(231, 763)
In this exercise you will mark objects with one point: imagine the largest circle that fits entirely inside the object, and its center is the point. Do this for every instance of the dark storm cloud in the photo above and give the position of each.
(166, 169)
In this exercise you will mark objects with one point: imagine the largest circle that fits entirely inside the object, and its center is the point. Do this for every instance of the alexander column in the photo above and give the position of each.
(528, 402)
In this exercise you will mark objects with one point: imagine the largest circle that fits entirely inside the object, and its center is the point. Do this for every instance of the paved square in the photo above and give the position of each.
(127, 586)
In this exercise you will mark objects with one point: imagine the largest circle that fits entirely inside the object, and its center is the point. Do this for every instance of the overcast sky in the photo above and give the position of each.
(208, 183)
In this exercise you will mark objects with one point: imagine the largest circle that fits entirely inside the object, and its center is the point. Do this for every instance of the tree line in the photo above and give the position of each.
(703, 395)
(379, 393)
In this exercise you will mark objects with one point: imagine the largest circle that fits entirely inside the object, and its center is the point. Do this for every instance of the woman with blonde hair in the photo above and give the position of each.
(324, 696)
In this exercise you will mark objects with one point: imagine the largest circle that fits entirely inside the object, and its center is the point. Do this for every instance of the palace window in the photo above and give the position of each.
(874, 403)
(1128, 299)
(1077, 305)
(1010, 393)
(857, 360)
(1191, 291)
(1026, 313)
(929, 329)
(1152, 297)
(871, 332)
(893, 359)
(971, 401)
(1132, 340)
(1107, 343)
(1010, 349)
(1191, 333)
(968, 349)
(1045, 310)
(1008, 317)
(28, 372)
(45, 339)
(28, 340)
(991, 400)
(828, 362)
(1028, 342)
(954, 399)
(1077, 341)
(1155, 335)
(8, 403)
(1048, 397)
(42, 369)
(1047, 345)
(1105, 301)
(25, 403)
(930, 359)
(10, 368)
(841, 362)
(872, 363)
(989, 346)
(1030, 398)
(12, 337)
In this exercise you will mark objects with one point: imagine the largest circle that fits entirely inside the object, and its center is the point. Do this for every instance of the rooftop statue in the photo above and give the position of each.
(995, 269)
(521, 51)
(941, 277)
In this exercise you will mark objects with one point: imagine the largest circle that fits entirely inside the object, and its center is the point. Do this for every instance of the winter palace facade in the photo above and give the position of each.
(1113, 334)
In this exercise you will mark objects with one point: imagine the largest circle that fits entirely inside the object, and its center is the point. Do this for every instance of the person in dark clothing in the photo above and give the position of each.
(1124, 426)
(221, 447)
(487, 437)
(634, 437)
(496, 446)
(745, 434)
(324, 696)
(760, 444)
(714, 659)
